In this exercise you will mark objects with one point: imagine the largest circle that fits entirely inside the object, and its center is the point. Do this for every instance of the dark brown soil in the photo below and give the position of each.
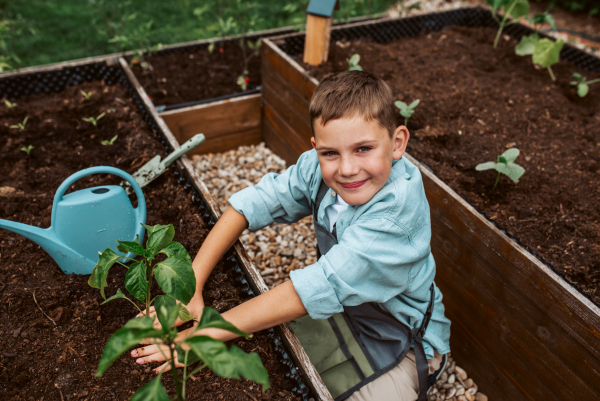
(196, 74)
(499, 100)
(39, 361)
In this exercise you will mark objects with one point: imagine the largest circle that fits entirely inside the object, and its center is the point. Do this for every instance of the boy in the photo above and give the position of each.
(370, 296)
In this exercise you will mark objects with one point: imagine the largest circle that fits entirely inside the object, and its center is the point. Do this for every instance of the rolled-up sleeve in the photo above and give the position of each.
(284, 198)
(374, 261)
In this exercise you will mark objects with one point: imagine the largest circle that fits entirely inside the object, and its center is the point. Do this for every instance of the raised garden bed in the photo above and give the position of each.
(521, 329)
(41, 360)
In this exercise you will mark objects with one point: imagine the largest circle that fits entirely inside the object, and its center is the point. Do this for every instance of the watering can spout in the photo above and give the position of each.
(47, 240)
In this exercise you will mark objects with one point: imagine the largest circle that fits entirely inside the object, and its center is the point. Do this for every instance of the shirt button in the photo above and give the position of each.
(332, 193)
(407, 176)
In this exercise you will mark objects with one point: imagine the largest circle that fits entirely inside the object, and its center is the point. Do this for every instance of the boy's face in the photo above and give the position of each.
(356, 156)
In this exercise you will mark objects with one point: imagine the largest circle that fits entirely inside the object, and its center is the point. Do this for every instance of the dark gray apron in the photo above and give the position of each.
(358, 345)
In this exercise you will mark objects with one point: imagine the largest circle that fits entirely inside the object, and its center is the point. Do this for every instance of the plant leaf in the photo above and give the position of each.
(131, 246)
(512, 170)
(118, 295)
(582, 89)
(518, 8)
(577, 75)
(134, 331)
(550, 20)
(414, 104)
(166, 310)
(136, 280)
(511, 154)
(401, 105)
(546, 52)
(176, 278)
(213, 319)
(152, 391)
(250, 366)
(526, 46)
(159, 236)
(485, 166)
(355, 68)
(100, 272)
(354, 60)
(176, 250)
(184, 314)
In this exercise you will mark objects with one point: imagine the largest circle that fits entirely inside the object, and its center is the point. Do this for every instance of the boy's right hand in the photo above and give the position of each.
(195, 307)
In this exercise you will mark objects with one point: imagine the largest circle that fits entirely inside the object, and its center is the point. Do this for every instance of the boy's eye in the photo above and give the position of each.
(330, 153)
(363, 149)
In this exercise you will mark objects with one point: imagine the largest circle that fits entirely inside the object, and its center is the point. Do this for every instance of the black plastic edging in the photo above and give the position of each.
(53, 81)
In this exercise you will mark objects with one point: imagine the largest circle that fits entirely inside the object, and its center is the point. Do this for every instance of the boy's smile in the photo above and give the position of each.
(356, 156)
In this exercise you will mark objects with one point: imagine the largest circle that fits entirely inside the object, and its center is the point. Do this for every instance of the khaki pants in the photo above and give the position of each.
(399, 384)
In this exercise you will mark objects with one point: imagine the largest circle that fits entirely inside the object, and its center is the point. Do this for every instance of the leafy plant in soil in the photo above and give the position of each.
(582, 84)
(105, 142)
(9, 29)
(518, 9)
(86, 95)
(353, 63)
(176, 278)
(406, 111)
(527, 44)
(9, 104)
(505, 165)
(93, 120)
(27, 149)
(20, 126)
(138, 40)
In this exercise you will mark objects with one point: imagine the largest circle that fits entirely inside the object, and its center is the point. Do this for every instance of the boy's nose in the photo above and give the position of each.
(348, 168)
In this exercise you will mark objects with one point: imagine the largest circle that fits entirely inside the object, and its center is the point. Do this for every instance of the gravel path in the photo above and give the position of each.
(281, 248)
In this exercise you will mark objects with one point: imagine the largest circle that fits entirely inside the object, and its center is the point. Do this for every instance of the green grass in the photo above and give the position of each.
(71, 29)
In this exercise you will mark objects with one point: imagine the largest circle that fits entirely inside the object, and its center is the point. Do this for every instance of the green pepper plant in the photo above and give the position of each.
(176, 278)
(406, 110)
(20, 126)
(9, 104)
(518, 9)
(27, 149)
(582, 84)
(109, 142)
(505, 165)
(93, 120)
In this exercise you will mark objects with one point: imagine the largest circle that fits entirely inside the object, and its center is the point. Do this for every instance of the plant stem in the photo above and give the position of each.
(497, 179)
(405, 122)
(506, 14)
(174, 372)
(551, 73)
(593, 81)
(185, 359)
(148, 285)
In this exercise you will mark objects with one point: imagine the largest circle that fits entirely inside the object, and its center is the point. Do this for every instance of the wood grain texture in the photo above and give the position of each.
(316, 45)
(226, 124)
(520, 330)
(246, 264)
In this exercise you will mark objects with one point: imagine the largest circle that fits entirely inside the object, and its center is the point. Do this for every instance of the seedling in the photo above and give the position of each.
(9, 104)
(243, 80)
(20, 126)
(505, 165)
(176, 278)
(93, 120)
(114, 138)
(255, 47)
(211, 47)
(527, 44)
(582, 84)
(27, 149)
(518, 9)
(86, 95)
(406, 111)
(353, 63)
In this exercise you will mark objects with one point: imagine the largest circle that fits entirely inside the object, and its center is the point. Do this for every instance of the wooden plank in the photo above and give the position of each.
(251, 270)
(275, 141)
(316, 45)
(231, 122)
(298, 144)
(292, 107)
(288, 69)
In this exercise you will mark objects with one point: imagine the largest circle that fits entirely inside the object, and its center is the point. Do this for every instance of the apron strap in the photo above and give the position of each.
(420, 358)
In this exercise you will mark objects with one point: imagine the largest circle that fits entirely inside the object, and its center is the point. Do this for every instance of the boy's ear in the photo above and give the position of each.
(313, 143)
(400, 139)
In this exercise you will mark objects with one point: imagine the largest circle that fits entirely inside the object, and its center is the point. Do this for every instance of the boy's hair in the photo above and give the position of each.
(350, 94)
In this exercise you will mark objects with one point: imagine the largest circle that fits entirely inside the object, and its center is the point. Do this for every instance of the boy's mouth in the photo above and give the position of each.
(354, 184)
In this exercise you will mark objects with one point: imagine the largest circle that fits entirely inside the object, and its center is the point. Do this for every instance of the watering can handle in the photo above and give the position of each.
(141, 209)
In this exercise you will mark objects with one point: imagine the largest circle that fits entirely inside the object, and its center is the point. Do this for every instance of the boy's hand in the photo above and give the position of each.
(155, 352)
(195, 307)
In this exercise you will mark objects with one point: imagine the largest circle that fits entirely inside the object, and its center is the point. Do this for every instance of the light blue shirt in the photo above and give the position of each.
(383, 253)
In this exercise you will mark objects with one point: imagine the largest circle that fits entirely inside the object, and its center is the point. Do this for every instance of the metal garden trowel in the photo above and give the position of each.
(155, 167)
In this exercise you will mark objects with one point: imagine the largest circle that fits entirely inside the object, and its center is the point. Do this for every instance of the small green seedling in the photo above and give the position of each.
(504, 165)
(518, 9)
(176, 278)
(86, 95)
(243, 80)
(406, 111)
(9, 104)
(114, 138)
(527, 44)
(582, 84)
(546, 54)
(255, 47)
(353, 63)
(211, 47)
(20, 125)
(27, 149)
(93, 120)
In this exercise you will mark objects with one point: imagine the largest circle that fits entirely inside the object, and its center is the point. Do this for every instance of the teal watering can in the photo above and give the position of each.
(87, 221)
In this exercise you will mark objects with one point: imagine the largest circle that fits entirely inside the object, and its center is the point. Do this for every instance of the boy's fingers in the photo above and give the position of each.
(165, 367)
(143, 313)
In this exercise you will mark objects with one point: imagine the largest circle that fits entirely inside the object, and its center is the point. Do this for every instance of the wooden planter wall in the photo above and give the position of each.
(518, 328)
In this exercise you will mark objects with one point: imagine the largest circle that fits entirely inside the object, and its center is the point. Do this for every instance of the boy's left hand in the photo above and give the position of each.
(153, 351)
